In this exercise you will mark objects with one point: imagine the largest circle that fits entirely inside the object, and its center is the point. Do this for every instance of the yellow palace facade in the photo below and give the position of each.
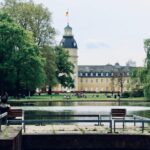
(106, 78)
(101, 78)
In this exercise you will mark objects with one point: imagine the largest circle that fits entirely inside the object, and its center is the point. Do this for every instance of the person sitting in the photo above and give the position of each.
(4, 106)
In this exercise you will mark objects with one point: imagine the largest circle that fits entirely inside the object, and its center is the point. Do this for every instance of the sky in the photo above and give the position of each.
(106, 31)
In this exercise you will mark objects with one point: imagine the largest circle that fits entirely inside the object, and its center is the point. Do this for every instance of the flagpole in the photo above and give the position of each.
(67, 16)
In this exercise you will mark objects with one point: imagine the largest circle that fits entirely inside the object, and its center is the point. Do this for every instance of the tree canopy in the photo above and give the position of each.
(64, 67)
(33, 17)
(31, 52)
(21, 64)
(145, 74)
(141, 76)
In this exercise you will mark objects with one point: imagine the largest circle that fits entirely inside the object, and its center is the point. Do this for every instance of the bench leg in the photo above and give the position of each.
(23, 127)
(134, 121)
(0, 125)
(142, 126)
(123, 123)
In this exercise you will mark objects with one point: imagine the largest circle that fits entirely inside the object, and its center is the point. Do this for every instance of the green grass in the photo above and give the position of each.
(60, 97)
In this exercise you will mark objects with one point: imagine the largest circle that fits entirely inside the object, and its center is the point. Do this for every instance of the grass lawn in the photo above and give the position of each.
(61, 97)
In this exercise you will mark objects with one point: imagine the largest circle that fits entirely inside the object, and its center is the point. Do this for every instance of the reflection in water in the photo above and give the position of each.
(45, 109)
(49, 110)
(47, 115)
(145, 113)
(79, 103)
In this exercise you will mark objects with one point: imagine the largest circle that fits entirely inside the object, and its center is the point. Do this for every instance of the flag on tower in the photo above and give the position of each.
(67, 13)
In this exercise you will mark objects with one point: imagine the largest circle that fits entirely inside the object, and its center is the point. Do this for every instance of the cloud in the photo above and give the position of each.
(95, 44)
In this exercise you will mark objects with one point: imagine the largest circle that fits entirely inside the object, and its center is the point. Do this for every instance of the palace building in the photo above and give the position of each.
(99, 78)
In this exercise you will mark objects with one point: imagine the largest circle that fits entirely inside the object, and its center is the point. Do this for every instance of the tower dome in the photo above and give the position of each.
(68, 40)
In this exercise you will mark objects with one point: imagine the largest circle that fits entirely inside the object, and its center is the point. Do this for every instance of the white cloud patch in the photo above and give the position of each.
(96, 44)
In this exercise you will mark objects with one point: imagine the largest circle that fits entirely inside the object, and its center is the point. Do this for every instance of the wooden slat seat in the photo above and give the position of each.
(16, 114)
(118, 113)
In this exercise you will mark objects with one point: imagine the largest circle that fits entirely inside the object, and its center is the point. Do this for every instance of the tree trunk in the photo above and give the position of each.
(18, 84)
(50, 90)
(29, 94)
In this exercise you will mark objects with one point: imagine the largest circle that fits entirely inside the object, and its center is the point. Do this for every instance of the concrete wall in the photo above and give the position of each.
(88, 141)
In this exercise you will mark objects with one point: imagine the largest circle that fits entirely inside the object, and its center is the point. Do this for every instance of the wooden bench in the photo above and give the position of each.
(118, 113)
(115, 113)
(16, 114)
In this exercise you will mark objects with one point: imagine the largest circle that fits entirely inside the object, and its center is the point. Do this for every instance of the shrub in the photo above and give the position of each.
(125, 94)
(138, 93)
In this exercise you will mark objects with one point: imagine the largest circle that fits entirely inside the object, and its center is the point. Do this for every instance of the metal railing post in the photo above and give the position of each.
(24, 127)
(110, 126)
(0, 124)
(114, 126)
(123, 123)
(142, 126)
(100, 119)
(134, 121)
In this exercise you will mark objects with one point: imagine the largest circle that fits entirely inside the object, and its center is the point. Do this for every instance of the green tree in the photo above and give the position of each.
(32, 17)
(136, 79)
(37, 19)
(64, 67)
(145, 74)
(21, 64)
(50, 67)
(141, 76)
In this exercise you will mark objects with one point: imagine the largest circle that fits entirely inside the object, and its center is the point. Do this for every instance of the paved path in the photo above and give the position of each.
(79, 129)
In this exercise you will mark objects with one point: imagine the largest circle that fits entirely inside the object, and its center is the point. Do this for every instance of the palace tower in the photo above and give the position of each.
(69, 44)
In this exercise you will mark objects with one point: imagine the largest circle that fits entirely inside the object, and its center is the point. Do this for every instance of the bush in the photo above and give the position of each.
(125, 94)
(138, 93)
(147, 91)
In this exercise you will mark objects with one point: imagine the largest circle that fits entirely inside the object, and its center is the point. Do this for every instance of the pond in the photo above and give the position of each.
(32, 111)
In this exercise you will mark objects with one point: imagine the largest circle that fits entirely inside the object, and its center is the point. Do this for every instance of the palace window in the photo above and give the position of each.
(91, 74)
(102, 74)
(86, 74)
(81, 74)
(96, 89)
(107, 74)
(96, 74)
(74, 44)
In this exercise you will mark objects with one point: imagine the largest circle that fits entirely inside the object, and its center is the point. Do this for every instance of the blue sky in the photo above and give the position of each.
(106, 31)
